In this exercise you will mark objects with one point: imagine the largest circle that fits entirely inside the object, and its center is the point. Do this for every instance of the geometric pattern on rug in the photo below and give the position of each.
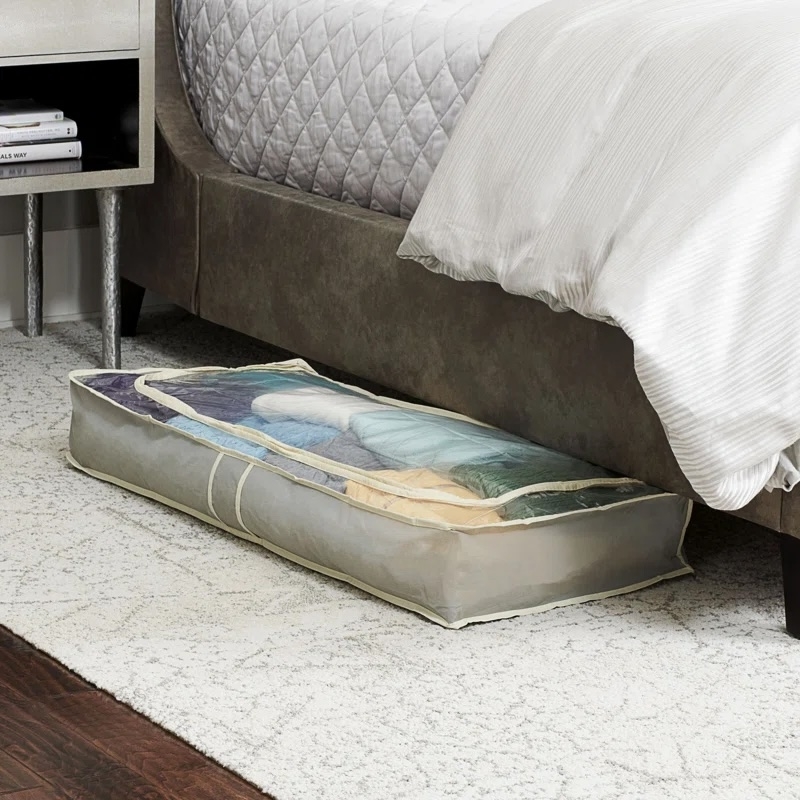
(311, 688)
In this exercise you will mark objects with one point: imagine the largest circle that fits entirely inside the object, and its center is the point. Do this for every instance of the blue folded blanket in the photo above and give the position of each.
(230, 442)
(292, 432)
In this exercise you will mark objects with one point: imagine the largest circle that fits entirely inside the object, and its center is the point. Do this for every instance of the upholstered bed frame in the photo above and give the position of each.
(321, 279)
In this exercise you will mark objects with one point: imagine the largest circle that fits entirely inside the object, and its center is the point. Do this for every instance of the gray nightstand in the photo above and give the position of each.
(94, 60)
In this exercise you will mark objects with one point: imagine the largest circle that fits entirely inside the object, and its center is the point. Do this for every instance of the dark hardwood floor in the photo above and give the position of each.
(62, 739)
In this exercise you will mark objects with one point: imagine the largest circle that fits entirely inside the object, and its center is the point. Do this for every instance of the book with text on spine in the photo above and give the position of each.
(40, 151)
(27, 112)
(34, 169)
(41, 131)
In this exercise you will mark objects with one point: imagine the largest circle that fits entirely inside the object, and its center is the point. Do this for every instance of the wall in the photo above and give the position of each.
(71, 259)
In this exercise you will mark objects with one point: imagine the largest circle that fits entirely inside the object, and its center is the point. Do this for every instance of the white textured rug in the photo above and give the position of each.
(311, 689)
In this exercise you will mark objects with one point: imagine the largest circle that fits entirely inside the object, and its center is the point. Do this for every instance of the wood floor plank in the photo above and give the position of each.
(161, 758)
(9, 639)
(15, 776)
(32, 673)
(53, 751)
(39, 793)
(82, 740)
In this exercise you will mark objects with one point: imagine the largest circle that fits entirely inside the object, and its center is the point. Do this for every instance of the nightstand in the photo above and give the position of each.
(94, 59)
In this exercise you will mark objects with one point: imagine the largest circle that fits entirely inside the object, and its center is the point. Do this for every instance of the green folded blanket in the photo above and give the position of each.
(493, 480)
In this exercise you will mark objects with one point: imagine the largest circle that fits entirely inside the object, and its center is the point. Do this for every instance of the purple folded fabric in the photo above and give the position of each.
(118, 387)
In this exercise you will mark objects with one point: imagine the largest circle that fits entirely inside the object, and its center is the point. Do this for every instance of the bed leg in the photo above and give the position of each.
(790, 561)
(132, 297)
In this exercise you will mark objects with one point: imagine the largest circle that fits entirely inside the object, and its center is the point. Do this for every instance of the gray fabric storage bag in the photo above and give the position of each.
(450, 574)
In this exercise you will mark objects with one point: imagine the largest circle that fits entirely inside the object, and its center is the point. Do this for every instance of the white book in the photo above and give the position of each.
(29, 169)
(27, 112)
(41, 131)
(40, 151)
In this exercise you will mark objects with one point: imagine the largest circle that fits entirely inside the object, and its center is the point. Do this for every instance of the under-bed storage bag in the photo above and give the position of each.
(428, 509)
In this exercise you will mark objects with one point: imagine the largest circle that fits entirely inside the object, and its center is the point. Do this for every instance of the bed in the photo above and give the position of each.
(234, 249)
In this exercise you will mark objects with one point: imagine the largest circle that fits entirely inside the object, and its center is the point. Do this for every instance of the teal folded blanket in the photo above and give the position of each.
(493, 480)
(416, 439)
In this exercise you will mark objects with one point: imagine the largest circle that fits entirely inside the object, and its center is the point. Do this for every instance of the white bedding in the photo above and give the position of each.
(349, 99)
(639, 162)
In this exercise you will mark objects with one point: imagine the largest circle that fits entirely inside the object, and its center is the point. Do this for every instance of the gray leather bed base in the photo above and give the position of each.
(321, 279)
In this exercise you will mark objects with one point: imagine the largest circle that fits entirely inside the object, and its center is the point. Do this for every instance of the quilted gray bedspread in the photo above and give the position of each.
(350, 99)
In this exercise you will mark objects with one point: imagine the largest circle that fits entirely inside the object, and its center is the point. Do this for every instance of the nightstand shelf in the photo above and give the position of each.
(56, 52)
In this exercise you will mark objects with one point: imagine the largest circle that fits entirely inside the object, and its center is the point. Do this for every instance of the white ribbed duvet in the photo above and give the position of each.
(638, 161)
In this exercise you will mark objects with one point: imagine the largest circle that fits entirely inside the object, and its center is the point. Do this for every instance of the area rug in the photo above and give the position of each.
(314, 690)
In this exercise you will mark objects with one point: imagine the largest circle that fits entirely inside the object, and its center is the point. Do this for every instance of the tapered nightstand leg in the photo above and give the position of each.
(109, 205)
(33, 265)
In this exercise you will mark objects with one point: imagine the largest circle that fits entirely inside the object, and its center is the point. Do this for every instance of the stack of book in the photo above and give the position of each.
(30, 132)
